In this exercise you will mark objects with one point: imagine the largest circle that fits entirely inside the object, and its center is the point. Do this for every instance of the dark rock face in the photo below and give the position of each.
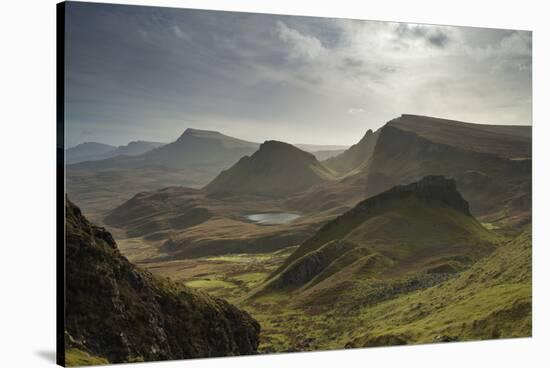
(430, 189)
(307, 267)
(355, 155)
(117, 311)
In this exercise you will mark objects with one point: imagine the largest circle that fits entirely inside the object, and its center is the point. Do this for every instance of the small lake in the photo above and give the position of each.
(272, 218)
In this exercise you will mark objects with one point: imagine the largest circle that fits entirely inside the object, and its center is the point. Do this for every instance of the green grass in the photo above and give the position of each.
(405, 237)
(490, 226)
(490, 299)
(251, 278)
(242, 258)
(209, 284)
(77, 358)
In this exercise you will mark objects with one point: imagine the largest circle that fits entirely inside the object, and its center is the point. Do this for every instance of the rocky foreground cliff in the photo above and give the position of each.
(116, 312)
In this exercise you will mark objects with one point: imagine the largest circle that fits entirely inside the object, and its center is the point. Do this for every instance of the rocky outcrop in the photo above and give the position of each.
(356, 155)
(431, 189)
(307, 267)
(122, 313)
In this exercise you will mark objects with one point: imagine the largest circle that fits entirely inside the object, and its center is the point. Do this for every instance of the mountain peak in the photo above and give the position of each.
(272, 145)
(368, 133)
(276, 168)
(356, 155)
(192, 132)
(431, 189)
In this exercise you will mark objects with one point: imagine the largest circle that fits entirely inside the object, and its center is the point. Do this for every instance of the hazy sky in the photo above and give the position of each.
(149, 73)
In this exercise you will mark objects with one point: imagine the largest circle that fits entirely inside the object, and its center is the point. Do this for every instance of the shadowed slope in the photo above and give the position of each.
(276, 169)
(355, 156)
(507, 141)
(495, 186)
(121, 313)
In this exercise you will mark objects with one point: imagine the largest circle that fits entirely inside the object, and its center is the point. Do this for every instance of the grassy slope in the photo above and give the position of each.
(492, 299)
(410, 233)
(78, 358)
(495, 293)
(408, 239)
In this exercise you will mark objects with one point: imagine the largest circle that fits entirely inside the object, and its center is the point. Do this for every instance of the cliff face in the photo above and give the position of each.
(119, 312)
(487, 181)
(356, 155)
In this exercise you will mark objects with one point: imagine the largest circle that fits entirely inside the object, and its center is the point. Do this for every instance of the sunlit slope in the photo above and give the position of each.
(422, 227)
(492, 299)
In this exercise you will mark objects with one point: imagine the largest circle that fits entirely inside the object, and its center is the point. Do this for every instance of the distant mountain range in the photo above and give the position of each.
(193, 148)
(87, 151)
(322, 152)
(93, 151)
(491, 165)
(494, 177)
(200, 144)
(104, 180)
(193, 160)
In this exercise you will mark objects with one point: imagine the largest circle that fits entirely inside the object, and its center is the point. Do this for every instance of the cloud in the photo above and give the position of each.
(301, 47)
(131, 76)
(431, 35)
(356, 110)
(439, 39)
(179, 33)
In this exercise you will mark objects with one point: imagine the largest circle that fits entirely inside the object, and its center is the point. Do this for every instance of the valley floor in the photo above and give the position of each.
(492, 299)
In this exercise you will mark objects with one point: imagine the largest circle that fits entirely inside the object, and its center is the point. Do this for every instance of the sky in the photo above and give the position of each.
(148, 73)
